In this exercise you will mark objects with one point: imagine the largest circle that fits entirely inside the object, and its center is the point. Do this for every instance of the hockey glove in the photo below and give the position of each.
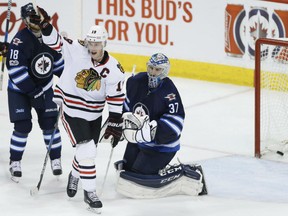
(3, 48)
(37, 98)
(42, 20)
(114, 130)
(147, 132)
(138, 129)
(45, 18)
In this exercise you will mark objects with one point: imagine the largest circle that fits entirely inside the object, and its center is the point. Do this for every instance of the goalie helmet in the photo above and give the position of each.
(97, 34)
(158, 68)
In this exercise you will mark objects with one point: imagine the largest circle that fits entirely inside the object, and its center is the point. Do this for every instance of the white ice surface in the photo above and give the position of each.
(218, 134)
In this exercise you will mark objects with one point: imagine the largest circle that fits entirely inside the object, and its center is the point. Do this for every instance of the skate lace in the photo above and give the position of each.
(73, 183)
(93, 196)
(15, 166)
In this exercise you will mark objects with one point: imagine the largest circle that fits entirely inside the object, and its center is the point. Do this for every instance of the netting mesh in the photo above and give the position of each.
(274, 97)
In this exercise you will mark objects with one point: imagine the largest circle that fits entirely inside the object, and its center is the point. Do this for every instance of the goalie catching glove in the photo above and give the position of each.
(138, 129)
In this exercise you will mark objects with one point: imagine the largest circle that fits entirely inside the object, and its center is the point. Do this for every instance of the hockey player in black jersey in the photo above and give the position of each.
(153, 122)
(31, 65)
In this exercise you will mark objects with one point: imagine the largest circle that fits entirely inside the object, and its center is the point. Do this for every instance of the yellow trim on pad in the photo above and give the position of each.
(193, 70)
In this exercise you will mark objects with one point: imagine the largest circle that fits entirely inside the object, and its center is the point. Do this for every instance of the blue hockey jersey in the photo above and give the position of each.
(31, 63)
(163, 105)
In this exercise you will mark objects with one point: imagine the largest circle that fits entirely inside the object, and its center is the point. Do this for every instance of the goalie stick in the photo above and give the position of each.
(5, 41)
(34, 191)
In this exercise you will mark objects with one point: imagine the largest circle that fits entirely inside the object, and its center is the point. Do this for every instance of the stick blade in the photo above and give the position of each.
(34, 191)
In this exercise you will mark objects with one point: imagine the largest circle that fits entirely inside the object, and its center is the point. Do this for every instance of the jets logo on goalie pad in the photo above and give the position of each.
(41, 65)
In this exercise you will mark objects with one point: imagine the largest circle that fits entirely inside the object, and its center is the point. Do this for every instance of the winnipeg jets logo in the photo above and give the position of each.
(42, 65)
(258, 27)
(171, 97)
(140, 109)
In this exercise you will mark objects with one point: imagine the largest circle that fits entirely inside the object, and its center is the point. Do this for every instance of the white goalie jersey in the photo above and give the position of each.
(83, 87)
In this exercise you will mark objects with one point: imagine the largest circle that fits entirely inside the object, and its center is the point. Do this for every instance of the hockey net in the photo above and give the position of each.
(271, 96)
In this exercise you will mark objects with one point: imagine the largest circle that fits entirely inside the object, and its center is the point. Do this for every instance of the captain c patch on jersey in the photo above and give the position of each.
(42, 66)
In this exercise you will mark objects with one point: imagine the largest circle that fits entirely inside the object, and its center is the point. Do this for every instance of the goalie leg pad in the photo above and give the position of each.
(190, 170)
(172, 181)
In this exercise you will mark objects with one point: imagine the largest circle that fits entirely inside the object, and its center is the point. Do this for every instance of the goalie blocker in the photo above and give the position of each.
(172, 180)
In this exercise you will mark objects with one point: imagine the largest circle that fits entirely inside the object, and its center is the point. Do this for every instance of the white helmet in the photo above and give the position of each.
(97, 34)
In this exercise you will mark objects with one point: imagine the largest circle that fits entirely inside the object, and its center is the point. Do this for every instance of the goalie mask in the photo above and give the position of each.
(96, 40)
(158, 68)
(26, 12)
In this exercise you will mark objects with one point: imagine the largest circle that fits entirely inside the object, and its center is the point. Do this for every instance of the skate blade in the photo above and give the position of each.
(15, 179)
(94, 210)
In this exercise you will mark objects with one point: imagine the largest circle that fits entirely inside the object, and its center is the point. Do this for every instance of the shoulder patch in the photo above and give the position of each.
(171, 97)
(17, 41)
(81, 42)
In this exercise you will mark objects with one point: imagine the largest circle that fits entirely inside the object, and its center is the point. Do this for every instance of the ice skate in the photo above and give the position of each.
(56, 167)
(15, 170)
(72, 185)
(94, 204)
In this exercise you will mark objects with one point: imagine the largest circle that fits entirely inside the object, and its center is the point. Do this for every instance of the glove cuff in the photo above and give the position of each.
(113, 115)
(46, 31)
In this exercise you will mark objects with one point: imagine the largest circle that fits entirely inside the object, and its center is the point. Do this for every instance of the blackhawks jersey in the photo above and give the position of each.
(83, 87)
(163, 105)
(31, 63)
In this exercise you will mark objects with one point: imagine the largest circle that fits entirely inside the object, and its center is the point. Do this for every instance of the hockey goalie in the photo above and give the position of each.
(152, 124)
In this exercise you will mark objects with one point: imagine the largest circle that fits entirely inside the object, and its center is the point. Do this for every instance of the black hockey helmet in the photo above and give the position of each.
(27, 10)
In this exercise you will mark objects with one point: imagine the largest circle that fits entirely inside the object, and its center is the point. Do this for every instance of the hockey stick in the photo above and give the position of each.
(34, 191)
(106, 173)
(103, 140)
(133, 70)
(5, 41)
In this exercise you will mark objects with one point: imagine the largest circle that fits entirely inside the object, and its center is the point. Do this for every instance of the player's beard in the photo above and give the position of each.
(35, 29)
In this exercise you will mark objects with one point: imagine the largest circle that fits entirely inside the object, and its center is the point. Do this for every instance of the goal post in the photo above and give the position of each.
(271, 95)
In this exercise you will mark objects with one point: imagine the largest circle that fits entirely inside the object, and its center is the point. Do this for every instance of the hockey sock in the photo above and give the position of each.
(85, 155)
(56, 143)
(17, 145)
(75, 168)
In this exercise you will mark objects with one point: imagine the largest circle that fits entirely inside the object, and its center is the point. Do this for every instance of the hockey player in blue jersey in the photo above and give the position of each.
(31, 65)
(153, 122)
